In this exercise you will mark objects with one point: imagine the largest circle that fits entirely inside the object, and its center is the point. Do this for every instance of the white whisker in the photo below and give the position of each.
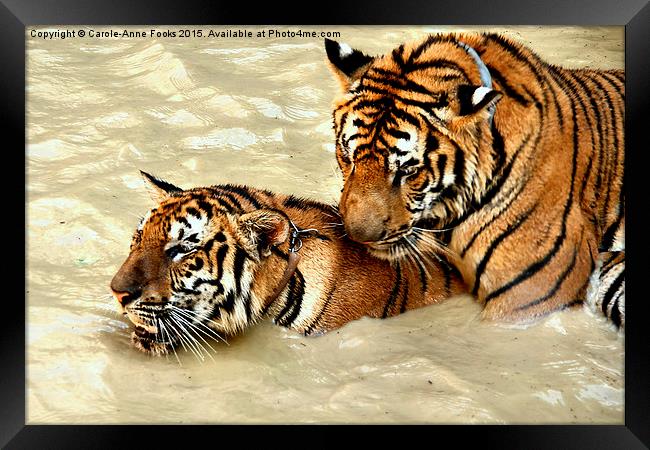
(185, 338)
(189, 314)
(169, 338)
(193, 327)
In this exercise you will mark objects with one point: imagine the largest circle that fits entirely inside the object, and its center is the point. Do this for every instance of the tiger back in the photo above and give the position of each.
(473, 147)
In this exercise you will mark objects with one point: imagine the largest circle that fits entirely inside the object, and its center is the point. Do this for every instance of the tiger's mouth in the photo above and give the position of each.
(152, 343)
(415, 243)
(392, 248)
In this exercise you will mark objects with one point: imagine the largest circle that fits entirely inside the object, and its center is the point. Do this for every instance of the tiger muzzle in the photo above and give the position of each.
(365, 215)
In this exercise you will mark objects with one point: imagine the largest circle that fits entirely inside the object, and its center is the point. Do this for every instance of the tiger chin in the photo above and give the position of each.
(209, 262)
(472, 146)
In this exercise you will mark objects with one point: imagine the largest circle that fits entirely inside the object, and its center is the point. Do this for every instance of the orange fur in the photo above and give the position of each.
(237, 242)
(527, 172)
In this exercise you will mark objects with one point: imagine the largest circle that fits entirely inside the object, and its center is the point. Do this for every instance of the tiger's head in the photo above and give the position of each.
(191, 266)
(407, 128)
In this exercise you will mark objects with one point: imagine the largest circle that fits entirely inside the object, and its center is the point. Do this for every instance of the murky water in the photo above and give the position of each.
(203, 111)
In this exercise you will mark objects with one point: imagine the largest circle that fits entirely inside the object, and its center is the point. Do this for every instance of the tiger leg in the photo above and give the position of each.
(606, 292)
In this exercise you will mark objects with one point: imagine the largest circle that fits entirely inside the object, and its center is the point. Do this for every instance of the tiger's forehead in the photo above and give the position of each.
(398, 141)
(179, 217)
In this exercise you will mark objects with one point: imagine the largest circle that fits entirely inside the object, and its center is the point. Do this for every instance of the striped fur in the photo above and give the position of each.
(217, 254)
(520, 160)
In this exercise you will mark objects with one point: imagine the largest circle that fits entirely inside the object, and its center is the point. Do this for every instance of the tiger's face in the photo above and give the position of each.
(190, 268)
(406, 132)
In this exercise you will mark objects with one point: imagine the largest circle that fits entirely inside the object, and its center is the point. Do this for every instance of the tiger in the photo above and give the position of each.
(472, 147)
(212, 261)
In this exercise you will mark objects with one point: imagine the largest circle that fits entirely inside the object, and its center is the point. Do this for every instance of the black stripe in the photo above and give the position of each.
(608, 238)
(613, 288)
(243, 192)
(294, 300)
(532, 62)
(497, 184)
(614, 150)
(423, 277)
(537, 265)
(615, 315)
(556, 286)
(616, 84)
(316, 320)
(406, 117)
(508, 90)
(405, 296)
(238, 268)
(385, 143)
(398, 83)
(398, 134)
(480, 268)
(183, 220)
(422, 47)
(398, 57)
(375, 90)
(229, 304)
(439, 64)
(610, 263)
(193, 212)
(504, 207)
(440, 166)
(459, 166)
(206, 207)
(355, 137)
(428, 106)
(498, 150)
(375, 105)
(393, 295)
(227, 201)
(384, 72)
(198, 264)
(595, 109)
(610, 233)
(221, 256)
(573, 77)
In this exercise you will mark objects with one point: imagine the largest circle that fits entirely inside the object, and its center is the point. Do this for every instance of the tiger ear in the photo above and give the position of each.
(264, 229)
(473, 99)
(347, 64)
(159, 190)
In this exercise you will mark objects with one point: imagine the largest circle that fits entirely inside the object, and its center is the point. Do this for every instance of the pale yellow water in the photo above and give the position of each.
(201, 111)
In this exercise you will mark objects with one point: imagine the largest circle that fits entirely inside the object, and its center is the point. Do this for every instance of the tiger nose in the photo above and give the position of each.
(364, 224)
(124, 298)
(365, 231)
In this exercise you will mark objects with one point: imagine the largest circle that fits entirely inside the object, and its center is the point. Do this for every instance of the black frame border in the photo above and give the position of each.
(16, 15)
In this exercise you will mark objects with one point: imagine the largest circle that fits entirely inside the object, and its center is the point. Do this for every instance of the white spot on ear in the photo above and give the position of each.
(344, 50)
(479, 94)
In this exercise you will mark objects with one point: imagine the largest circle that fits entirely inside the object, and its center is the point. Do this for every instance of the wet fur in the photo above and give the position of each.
(533, 196)
(336, 281)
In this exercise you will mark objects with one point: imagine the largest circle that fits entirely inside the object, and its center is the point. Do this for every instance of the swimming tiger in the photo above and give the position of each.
(472, 147)
(214, 260)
